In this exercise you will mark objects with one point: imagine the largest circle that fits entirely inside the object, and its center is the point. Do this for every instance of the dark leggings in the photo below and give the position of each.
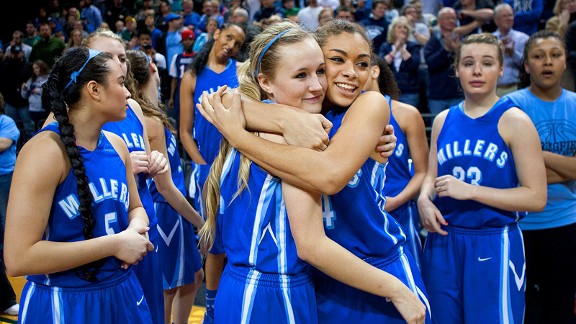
(550, 275)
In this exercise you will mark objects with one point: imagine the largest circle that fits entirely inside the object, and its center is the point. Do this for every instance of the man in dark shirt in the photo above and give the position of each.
(16, 71)
(49, 48)
(376, 25)
(443, 88)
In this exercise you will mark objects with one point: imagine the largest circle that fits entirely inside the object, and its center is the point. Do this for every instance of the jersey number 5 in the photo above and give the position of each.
(110, 219)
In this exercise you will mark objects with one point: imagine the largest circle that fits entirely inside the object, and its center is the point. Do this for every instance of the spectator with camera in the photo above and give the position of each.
(16, 71)
(17, 40)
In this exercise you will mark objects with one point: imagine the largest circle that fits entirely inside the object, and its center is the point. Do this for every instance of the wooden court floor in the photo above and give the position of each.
(196, 315)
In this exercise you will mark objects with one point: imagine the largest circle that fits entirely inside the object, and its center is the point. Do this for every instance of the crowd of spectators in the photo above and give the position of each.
(417, 39)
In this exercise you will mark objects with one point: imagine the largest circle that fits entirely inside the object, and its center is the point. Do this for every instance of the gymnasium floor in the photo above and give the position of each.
(196, 315)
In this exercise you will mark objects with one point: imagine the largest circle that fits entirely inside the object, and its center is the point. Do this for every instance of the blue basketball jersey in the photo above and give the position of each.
(253, 226)
(109, 188)
(181, 62)
(131, 130)
(147, 270)
(473, 151)
(175, 168)
(355, 216)
(264, 279)
(206, 135)
(398, 170)
(177, 247)
(398, 175)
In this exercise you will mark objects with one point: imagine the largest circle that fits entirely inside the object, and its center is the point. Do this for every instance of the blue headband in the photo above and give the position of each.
(75, 74)
(266, 49)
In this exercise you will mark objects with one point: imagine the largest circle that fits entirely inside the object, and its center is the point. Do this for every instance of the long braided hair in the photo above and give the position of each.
(62, 92)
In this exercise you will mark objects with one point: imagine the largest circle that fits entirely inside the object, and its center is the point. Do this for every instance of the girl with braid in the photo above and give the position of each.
(145, 164)
(75, 223)
(180, 261)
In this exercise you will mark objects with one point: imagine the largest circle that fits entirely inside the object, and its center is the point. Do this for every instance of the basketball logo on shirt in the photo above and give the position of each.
(557, 136)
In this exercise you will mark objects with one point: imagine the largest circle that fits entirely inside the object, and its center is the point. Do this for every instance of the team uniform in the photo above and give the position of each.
(64, 297)
(398, 174)
(264, 281)
(355, 219)
(177, 69)
(476, 274)
(207, 136)
(131, 130)
(550, 235)
(179, 256)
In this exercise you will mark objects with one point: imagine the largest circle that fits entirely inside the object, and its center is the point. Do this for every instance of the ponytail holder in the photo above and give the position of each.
(266, 49)
(75, 74)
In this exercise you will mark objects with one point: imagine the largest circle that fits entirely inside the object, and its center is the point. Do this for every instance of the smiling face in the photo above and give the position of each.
(347, 57)
(401, 29)
(546, 62)
(478, 68)
(228, 42)
(299, 79)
